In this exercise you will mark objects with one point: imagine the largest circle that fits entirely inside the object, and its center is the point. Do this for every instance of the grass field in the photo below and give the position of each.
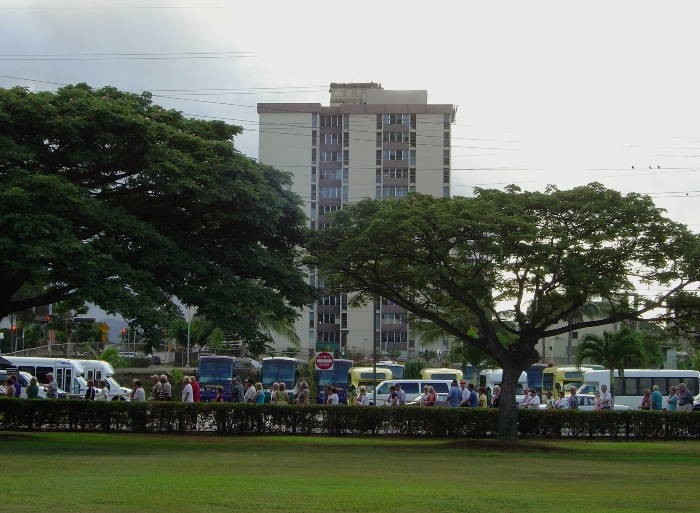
(87, 472)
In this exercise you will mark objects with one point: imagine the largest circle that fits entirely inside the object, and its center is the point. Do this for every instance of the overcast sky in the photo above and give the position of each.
(559, 93)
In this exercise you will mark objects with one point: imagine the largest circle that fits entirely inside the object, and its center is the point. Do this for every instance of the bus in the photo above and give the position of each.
(562, 378)
(337, 377)
(629, 389)
(534, 376)
(396, 369)
(99, 369)
(282, 368)
(67, 373)
(365, 377)
(442, 373)
(219, 371)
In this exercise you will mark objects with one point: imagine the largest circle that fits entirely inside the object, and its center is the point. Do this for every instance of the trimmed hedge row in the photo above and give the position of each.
(245, 419)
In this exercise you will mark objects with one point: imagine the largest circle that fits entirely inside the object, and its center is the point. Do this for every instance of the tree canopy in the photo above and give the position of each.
(520, 262)
(110, 199)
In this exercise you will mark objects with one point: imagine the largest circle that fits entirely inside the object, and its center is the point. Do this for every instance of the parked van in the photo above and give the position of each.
(412, 387)
(23, 378)
(99, 369)
(442, 373)
(67, 373)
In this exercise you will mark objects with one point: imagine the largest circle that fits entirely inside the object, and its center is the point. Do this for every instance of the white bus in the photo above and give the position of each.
(629, 390)
(492, 377)
(99, 369)
(67, 373)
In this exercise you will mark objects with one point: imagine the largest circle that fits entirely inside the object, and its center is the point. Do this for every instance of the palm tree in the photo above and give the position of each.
(610, 350)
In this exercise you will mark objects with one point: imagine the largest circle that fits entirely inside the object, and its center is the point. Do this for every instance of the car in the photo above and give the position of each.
(696, 403)
(441, 400)
(585, 403)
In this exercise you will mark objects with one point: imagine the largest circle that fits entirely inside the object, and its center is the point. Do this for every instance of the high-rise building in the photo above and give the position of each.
(369, 142)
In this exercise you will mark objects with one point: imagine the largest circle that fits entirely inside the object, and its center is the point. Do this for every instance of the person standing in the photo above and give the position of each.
(561, 403)
(259, 397)
(646, 400)
(33, 389)
(454, 395)
(535, 401)
(657, 400)
(672, 399)
(51, 388)
(166, 390)
(187, 396)
(362, 397)
(237, 393)
(303, 396)
(18, 387)
(90, 392)
(400, 394)
(155, 388)
(334, 399)
(139, 392)
(496, 397)
(9, 388)
(550, 400)
(482, 398)
(526, 398)
(472, 398)
(596, 401)
(250, 391)
(195, 389)
(219, 395)
(273, 394)
(572, 402)
(282, 397)
(685, 398)
(605, 398)
(104, 391)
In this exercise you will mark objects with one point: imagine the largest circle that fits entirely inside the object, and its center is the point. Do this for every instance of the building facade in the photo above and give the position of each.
(369, 142)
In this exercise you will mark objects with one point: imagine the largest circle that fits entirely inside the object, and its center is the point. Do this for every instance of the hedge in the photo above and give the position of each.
(247, 419)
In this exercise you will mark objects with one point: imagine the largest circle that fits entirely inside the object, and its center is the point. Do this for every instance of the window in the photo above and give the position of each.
(446, 139)
(446, 191)
(331, 174)
(412, 175)
(379, 120)
(395, 173)
(313, 210)
(329, 192)
(331, 138)
(311, 320)
(346, 157)
(344, 302)
(329, 300)
(313, 137)
(395, 191)
(313, 193)
(346, 174)
(413, 139)
(313, 174)
(379, 139)
(314, 120)
(346, 140)
(395, 119)
(401, 137)
(446, 122)
(329, 337)
(387, 302)
(345, 193)
(313, 155)
(379, 175)
(323, 226)
(378, 195)
(330, 120)
(394, 318)
(346, 121)
(379, 158)
(413, 121)
(328, 318)
(445, 157)
(446, 175)
(395, 154)
(327, 209)
(413, 158)
(330, 156)
(394, 336)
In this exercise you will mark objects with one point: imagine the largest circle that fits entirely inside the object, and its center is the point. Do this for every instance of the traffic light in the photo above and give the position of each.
(48, 318)
(123, 331)
(14, 328)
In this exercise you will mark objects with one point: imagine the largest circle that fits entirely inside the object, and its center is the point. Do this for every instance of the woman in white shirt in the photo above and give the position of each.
(187, 396)
(104, 391)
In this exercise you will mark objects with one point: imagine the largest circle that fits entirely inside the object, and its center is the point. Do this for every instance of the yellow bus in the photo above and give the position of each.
(364, 376)
(442, 373)
(562, 378)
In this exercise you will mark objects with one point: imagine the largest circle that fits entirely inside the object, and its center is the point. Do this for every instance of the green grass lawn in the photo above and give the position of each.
(87, 472)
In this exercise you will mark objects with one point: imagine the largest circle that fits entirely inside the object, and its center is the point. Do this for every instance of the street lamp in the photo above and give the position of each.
(190, 311)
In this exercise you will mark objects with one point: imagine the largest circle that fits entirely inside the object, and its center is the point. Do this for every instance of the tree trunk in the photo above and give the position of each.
(508, 407)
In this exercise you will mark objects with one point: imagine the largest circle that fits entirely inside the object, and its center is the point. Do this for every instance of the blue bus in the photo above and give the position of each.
(337, 377)
(281, 368)
(219, 371)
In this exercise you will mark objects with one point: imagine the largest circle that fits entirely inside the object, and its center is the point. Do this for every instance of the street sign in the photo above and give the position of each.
(324, 361)
(104, 327)
(104, 337)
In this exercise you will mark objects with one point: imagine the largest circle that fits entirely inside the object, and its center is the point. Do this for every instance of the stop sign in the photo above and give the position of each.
(324, 360)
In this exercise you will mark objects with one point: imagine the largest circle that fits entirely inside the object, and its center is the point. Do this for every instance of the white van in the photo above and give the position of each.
(411, 387)
(23, 379)
(67, 373)
(99, 369)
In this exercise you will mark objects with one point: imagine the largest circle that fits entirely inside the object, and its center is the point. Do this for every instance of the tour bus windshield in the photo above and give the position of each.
(337, 376)
(215, 371)
(276, 370)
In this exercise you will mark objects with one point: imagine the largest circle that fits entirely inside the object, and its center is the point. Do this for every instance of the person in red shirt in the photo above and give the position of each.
(195, 389)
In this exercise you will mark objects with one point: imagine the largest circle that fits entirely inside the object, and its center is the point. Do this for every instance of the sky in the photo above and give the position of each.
(561, 93)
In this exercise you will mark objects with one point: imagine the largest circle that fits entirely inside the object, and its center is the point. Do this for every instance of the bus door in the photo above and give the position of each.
(68, 381)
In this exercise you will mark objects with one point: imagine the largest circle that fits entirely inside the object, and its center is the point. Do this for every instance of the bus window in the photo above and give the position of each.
(692, 385)
(617, 389)
(59, 378)
(661, 383)
(673, 382)
(69, 382)
(27, 368)
(90, 374)
(411, 388)
(644, 383)
(41, 373)
(631, 386)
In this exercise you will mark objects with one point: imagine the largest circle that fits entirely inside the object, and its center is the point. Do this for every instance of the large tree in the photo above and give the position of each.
(109, 199)
(537, 256)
